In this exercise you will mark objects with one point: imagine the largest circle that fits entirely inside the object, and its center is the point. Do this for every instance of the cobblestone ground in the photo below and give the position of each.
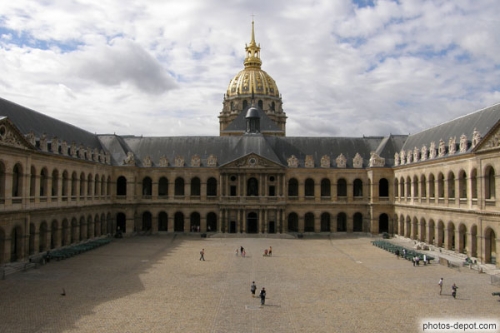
(158, 284)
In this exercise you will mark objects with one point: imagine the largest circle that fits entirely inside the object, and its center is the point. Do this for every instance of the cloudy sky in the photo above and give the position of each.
(161, 68)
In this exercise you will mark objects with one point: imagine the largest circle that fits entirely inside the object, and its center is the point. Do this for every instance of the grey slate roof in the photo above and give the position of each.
(482, 120)
(229, 148)
(27, 120)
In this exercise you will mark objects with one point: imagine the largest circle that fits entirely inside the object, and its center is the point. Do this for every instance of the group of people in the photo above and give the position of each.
(415, 260)
(453, 288)
(262, 294)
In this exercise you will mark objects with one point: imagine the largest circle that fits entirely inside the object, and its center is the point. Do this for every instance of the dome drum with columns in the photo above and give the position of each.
(252, 86)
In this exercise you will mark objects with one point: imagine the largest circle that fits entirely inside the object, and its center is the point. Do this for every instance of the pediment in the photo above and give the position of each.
(252, 161)
(11, 136)
(490, 141)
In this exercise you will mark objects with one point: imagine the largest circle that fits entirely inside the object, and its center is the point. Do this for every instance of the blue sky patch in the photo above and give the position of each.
(24, 39)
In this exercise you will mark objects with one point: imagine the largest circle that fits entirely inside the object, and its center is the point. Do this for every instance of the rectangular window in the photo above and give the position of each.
(272, 191)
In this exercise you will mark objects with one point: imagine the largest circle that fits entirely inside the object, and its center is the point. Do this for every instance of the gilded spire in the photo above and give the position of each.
(253, 52)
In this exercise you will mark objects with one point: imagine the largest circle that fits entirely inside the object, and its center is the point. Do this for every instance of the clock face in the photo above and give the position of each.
(252, 161)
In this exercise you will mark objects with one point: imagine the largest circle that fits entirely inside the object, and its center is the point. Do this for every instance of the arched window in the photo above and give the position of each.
(415, 187)
(293, 188)
(341, 188)
(309, 187)
(121, 186)
(195, 187)
(462, 184)
(163, 187)
(2, 185)
(383, 188)
(396, 188)
(32, 181)
(473, 183)
(440, 185)
(261, 104)
(89, 184)
(82, 184)
(43, 182)
(451, 185)
(17, 181)
(74, 184)
(408, 187)
(489, 183)
(423, 186)
(179, 186)
(211, 187)
(65, 183)
(147, 187)
(432, 186)
(325, 187)
(55, 182)
(245, 104)
(358, 188)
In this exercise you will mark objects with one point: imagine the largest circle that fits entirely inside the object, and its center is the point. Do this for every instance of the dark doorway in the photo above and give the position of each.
(179, 222)
(383, 223)
(232, 227)
(272, 227)
(252, 223)
(121, 222)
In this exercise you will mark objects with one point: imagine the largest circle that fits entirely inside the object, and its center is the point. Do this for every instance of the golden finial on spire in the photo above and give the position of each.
(253, 51)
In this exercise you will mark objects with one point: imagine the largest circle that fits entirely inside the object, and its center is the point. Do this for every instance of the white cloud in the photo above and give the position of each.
(162, 67)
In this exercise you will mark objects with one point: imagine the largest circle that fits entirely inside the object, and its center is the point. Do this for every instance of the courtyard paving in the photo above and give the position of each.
(158, 284)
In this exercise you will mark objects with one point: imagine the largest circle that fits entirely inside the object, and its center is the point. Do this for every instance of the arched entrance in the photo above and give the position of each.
(16, 244)
(293, 222)
(383, 223)
(179, 222)
(252, 223)
(490, 248)
(211, 222)
(147, 221)
(121, 222)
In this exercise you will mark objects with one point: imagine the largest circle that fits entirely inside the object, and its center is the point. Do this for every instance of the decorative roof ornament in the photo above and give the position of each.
(163, 161)
(341, 161)
(376, 160)
(325, 161)
(212, 161)
(452, 145)
(432, 150)
(309, 163)
(147, 161)
(396, 159)
(463, 143)
(293, 162)
(253, 52)
(442, 148)
(476, 137)
(416, 154)
(357, 161)
(195, 161)
(409, 156)
(179, 161)
(423, 153)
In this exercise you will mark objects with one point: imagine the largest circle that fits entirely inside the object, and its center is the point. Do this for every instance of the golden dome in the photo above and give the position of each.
(252, 80)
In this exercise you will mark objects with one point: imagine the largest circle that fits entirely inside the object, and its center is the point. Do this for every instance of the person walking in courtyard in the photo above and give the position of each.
(440, 284)
(270, 253)
(202, 254)
(397, 254)
(454, 290)
(253, 288)
(262, 296)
